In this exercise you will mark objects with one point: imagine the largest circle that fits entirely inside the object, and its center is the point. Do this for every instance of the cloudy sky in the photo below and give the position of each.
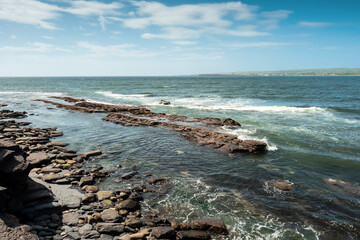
(128, 37)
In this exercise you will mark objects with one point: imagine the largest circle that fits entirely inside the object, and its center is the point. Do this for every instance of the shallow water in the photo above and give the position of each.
(310, 123)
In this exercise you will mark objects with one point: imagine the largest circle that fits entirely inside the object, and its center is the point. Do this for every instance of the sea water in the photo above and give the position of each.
(311, 126)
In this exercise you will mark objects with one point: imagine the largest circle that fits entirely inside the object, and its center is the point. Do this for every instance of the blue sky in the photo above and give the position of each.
(127, 38)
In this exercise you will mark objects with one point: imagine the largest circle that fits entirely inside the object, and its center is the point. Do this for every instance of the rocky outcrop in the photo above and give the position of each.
(164, 102)
(205, 133)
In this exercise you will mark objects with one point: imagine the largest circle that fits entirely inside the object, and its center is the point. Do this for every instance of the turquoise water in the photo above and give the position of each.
(311, 124)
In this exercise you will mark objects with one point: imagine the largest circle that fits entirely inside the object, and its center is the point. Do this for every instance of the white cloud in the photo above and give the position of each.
(120, 50)
(47, 37)
(193, 20)
(314, 24)
(13, 37)
(102, 22)
(29, 12)
(184, 43)
(256, 44)
(34, 47)
(272, 19)
(40, 14)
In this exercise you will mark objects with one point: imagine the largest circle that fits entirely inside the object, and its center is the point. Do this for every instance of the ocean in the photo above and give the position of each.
(311, 126)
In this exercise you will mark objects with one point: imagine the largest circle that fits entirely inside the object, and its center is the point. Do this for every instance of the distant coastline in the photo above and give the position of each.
(299, 72)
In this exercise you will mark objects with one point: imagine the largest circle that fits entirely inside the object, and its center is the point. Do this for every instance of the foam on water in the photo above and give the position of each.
(121, 96)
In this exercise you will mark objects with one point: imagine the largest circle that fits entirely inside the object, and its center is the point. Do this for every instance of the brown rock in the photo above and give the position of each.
(129, 205)
(192, 235)
(210, 224)
(163, 232)
(91, 189)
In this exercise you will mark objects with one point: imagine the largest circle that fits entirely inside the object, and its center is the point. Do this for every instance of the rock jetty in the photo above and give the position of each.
(203, 131)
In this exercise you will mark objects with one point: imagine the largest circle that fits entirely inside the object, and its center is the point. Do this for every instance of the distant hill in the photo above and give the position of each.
(299, 72)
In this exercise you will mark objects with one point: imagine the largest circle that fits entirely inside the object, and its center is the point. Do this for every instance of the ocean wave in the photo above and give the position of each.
(273, 109)
(121, 96)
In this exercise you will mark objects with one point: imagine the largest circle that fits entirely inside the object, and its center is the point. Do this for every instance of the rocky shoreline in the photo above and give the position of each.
(204, 131)
(46, 193)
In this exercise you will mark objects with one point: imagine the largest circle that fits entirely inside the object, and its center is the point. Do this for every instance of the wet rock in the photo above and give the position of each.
(91, 189)
(88, 198)
(129, 175)
(110, 215)
(86, 155)
(155, 180)
(129, 205)
(116, 228)
(343, 187)
(60, 144)
(192, 235)
(282, 185)
(86, 180)
(210, 224)
(66, 155)
(163, 232)
(71, 218)
(163, 102)
(102, 195)
(133, 223)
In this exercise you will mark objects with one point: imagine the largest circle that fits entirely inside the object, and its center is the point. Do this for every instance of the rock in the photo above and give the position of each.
(133, 223)
(110, 215)
(88, 198)
(105, 237)
(140, 235)
(283, 186)
(71, 218)
(86, 155)
(210, 224)
(52, 177)
(129, 175)
(60, 144)
(85, 229)
(163, 232)
(230, 122)
(116, 228)
(66, 196)
(163, 102)
(129, 205)
(91, 235)
(74, 235)
(343, 187)
(91, 189)
(155, 180)
(8, 144)
(86, 180)
(192, 235)
(66, 155)
(102, 195)
(38, 158)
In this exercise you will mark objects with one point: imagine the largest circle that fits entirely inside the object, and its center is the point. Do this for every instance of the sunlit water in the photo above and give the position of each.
(311, 124)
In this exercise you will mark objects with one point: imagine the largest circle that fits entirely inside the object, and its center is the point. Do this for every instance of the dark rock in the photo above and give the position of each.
(86, 180)
(133, 223)
(210, 224)
(129, 205)
(163, 232)
(163, 102)
(282, 185)
(129, 175)
(192, 235)
(88, 198)
(66, 155)
(155, 180)
(86, 155)
(116, 228)
(91, 235)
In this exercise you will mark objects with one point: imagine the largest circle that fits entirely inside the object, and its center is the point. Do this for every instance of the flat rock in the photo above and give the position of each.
(163, 232)
(192, 235)
(71, 218)
(86, 228)
(86, 180)
(102, 195)
(38, 158)
(110, 228)
(110, 215)
(86, 155)
(210, 224)
(67, 196)
(91, 189)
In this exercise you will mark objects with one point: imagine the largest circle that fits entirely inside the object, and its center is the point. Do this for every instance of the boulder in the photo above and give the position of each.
(110, 215)
(102, 195)
(129, 205)
(163, 102)
(71, 218)
(211, 225)
(282, 185)
(86, 180)
(163, 232)
(192, 235)
(91, 189)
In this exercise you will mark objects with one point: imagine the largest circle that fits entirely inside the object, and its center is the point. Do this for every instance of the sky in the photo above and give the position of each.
(155, 38)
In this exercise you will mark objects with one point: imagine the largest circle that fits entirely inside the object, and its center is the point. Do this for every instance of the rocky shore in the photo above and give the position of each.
(203, 131)
(47, 193)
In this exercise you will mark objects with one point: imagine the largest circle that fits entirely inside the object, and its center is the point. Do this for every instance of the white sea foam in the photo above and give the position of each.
(121, 96)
